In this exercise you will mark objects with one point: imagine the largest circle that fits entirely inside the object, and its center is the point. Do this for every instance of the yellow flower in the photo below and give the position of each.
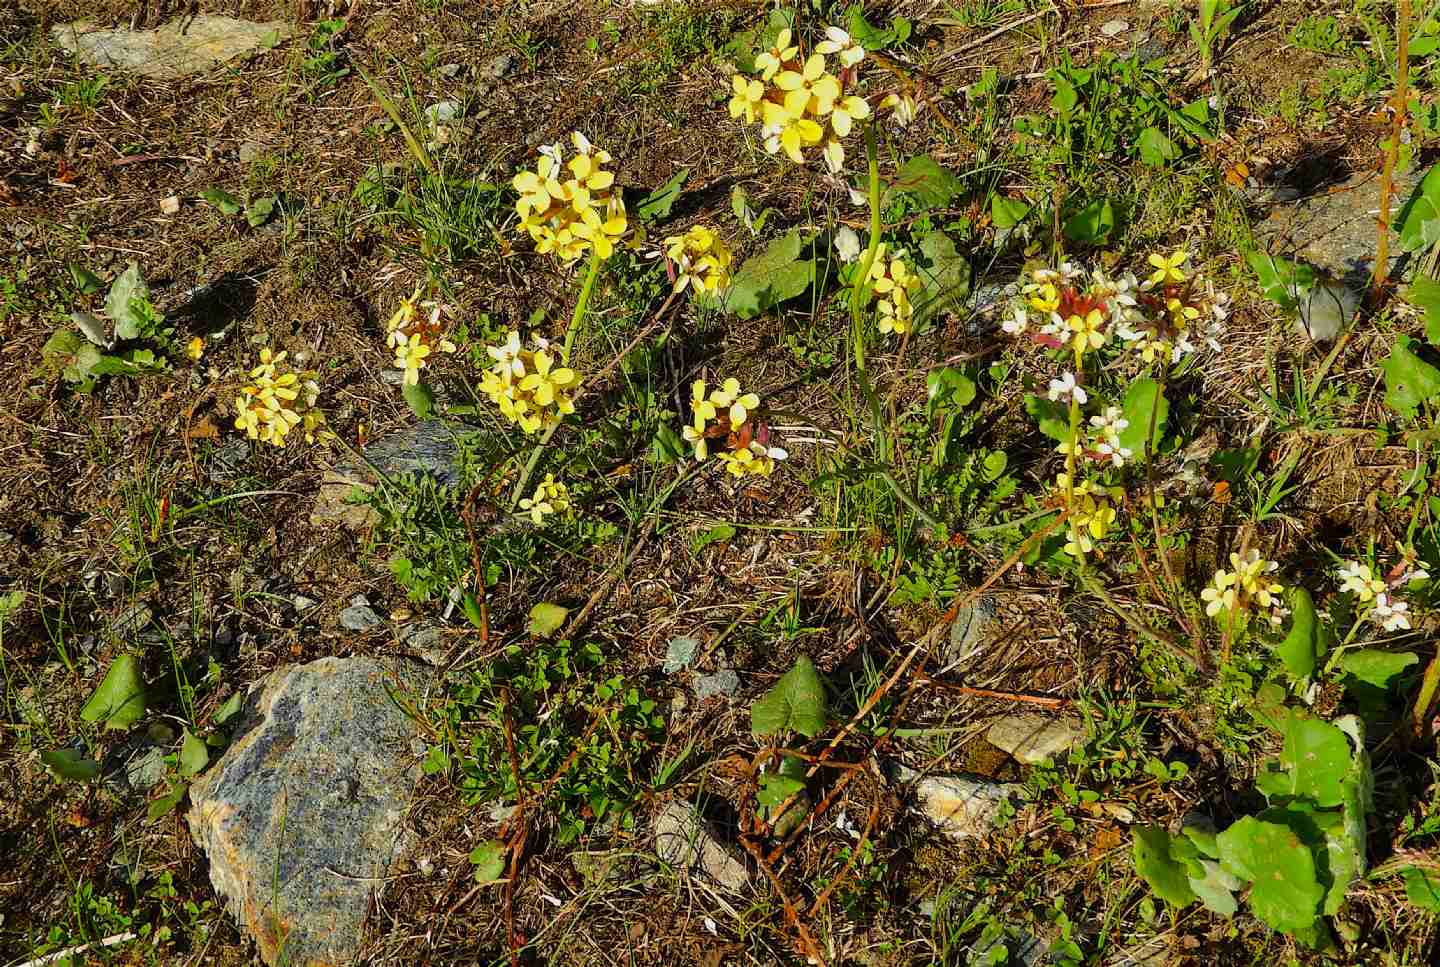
(1220, 596)
(696, 439)
(753, 460)
(1044, 298)
(195, 348)
(747, 99)
(544, 383)
(740, 404)
(702, 410)
(800, 86)
(794, 134)
(846, 112)
(894, 283)
(277, 401)
(527, 386)
(1180, 313)
(1087, 331)
(700, 259)
(568, 209)
(839, 42)
(770, 61)
(1168, 269)
(550, 498)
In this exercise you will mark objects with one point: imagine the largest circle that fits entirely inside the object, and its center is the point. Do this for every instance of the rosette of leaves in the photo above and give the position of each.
(1298, 857)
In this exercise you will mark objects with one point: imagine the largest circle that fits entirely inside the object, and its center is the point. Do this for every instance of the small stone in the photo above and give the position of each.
(497, 66)
(448, 70)
(170, 205)
(359, 616)
(962, 806)
(968, 629)
(132, 621)
(303, 816)
(679, 654)
(250, 151)
(1022, 948)
(1114, 28)
(428, 448)
(1119, 811)
(684, 840)
(1154, 952)
(1032, 739)
(442, 112)
(426, 641)
(303, 603)
(724, 683)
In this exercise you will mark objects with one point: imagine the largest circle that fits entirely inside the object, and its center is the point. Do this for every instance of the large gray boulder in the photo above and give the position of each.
(302, 817)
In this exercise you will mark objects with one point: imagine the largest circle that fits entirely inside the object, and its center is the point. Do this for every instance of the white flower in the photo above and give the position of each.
(834, 156)
(1017, 322)
(1356, 577)
(1066, 386)
(847, 244)
(1278, 614)
(858, 198)
(507, 356)
(1117, 454)
(838, 41)
(1390, 614)
(1110, 423)
(903, 109)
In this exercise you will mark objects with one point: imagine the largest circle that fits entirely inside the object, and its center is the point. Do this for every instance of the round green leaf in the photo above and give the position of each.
(119, 701)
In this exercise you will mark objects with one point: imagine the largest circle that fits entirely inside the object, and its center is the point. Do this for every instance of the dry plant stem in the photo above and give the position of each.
(1197, 640)
(413, 143)
(1134, 623)
(849, 862)
(1044, 700)
(862, 277)
(1387, 175)
(808, 947)
(1425, 701)
(516, 839)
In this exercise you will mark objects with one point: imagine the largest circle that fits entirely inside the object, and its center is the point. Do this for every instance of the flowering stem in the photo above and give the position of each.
(576, 320)
(581, 304)
(862, 277)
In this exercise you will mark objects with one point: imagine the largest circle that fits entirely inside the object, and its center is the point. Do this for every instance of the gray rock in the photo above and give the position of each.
(679, 654)
(302, 603)
(724, 683)
(132, 621)
(1114, 28)
(1334, 228)
(497, 66)
(967, 632)
(448, 70)
(228, 459)
(251, 151)
(359, 616)
(1154, 952)
(428, 448)
(189, 45)
(442, 112)
(1022, 948)
(426, 641)
(963, 806)
(302, 816)
(1032, 739)
(684, 840)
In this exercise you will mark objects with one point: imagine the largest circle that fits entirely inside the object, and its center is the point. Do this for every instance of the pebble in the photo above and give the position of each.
(1114, 28)
(684, 839)
(962, 806)
(724, 683)
(1032, 739)
(497, 66)
(132, 620)
(679, 654)
(359, 616)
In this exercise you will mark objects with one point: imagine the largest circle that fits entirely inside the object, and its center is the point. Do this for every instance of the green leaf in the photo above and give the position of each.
(1054, 419)
(870, 37)
(1141, 400)
(421, 399)
(546, 619)
(796, 703)
(994, 465)
(1424, 293)
(70, 765)
(86, 281)
(489, 861)
(1155, 865)
(1281, 280)
(1007, 212)
(166, 804)
(119, 701)
(658, 203)
(120, 304)
(259, 210)
(1066, 98)
(194, 756)
(1422, 888)
(1418, 220)
(716, 534)
(227, 711)
(1375, 667)
(1409, 380)
(771, 277)
(1156, 149)
(931, 185)
(1303, 645)
(1316, 757)
(947, 279)
(776, 788)
(1091, 224)
(1216, 888)
(1285, 892)
(222, 199)
(948, 387)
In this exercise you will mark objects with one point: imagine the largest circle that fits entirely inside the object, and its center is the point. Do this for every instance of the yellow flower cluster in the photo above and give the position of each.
(1247, 583)
(700, 259)
(894, 282)
(747, 451)
(414, 337)
(1093, 516)
(550, 498)
(277, 401)
(570, 207)
(794, 100)
(527, 386)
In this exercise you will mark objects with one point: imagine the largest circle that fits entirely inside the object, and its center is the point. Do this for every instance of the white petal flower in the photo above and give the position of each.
(847, 244)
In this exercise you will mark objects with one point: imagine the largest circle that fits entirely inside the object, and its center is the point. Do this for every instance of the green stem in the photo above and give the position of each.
(577, 318)
(862, 279)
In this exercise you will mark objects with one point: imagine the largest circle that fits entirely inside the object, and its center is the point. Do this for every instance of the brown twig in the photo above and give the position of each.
(809, 948)
(1046, 700)
(514, 831)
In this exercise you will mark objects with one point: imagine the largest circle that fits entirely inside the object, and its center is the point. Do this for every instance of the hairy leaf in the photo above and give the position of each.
(1424, 293)
(929, 183)
(546, 619)
(120, 303)
(768, 279)
(1303, 645)
(1280, 279)
(489, 861)
(1418, 220)
(658, 203)
(194, 755)
(70, 765)
(1091, 224)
